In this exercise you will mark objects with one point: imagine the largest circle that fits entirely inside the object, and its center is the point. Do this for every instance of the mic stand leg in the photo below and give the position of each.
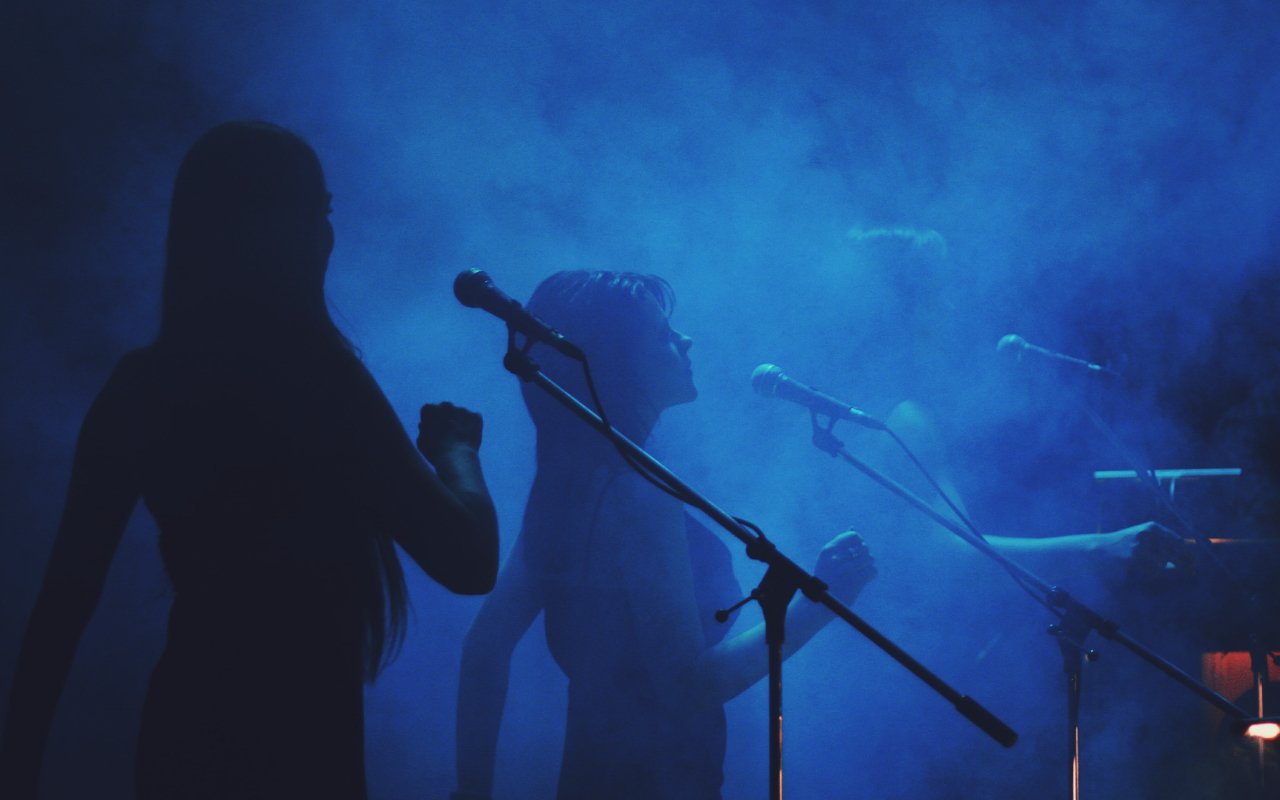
(1074, 664)
(774, 595)
(1070, 634)
(1258, 663)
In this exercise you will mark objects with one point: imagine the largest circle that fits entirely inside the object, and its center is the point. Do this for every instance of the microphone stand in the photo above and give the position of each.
(1247, 598)
(782, 578)
(1076, 621)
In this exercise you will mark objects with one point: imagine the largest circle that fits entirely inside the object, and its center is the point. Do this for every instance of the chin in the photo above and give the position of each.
(681, 399)
(676, 394)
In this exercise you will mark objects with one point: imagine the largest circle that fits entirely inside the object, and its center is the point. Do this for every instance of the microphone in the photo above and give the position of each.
(474, 289)
(770, 381)
(1013, 343)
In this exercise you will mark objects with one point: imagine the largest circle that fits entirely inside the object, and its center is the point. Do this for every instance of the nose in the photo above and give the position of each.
(683, 343)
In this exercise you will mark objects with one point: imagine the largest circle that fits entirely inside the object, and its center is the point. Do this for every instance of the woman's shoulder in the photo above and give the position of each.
(132, 373)
(144, 370)
(634, 510)
(122, 404)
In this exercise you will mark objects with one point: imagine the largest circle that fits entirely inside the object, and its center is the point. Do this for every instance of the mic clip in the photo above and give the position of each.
(824, 438)
(517, 360)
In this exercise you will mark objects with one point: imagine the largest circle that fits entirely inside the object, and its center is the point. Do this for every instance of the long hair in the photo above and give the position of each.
(246, 254)
(246, 228)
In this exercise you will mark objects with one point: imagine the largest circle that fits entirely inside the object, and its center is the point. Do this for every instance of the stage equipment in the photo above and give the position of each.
(1260, 727)
(1235, 616)
(474, 289)
(1075, 619)
(770, 381)
(1014, 344)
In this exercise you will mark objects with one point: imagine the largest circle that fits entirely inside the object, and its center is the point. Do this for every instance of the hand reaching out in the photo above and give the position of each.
(1143, 551)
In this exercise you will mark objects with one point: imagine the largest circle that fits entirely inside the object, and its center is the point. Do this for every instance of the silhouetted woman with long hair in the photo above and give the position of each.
(627, 582)
(280, 480)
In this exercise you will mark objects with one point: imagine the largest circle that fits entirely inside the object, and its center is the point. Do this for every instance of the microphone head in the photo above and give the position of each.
(471, 287)
(1010, 340)
(765, 379)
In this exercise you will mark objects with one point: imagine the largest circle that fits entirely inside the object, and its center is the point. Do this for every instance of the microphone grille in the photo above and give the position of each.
(765, 379)
(471, 286)
(1010, 340)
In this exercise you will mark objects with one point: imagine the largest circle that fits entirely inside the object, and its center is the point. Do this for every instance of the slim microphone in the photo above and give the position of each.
(474, 289)
(770, 381)
(1013, 343)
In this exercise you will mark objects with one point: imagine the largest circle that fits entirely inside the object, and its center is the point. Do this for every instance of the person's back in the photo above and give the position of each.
(260, 533)
(280, 479)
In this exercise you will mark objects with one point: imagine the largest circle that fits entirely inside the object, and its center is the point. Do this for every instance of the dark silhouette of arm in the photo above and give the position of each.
(444, 519)
(103, 490)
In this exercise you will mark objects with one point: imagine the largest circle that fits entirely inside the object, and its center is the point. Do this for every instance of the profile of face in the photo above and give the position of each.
(663, 372)
(639, 363)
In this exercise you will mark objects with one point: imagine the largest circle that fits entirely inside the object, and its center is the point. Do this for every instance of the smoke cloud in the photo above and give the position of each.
(868, 194)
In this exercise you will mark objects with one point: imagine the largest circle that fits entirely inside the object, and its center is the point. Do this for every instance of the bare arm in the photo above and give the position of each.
(486, 665)
(661, 588)
(1138, 549)
(734, 665)
(103, 491)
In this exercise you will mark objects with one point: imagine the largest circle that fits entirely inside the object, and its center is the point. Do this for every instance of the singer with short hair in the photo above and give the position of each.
(627, 582)
(280, 479)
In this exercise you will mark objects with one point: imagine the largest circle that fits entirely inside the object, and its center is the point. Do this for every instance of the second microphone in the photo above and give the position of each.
(770, 381)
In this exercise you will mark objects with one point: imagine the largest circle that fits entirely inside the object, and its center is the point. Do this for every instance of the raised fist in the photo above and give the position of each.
(444, 425)
(845, 564)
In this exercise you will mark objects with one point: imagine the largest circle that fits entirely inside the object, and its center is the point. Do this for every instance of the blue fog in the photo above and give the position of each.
(869, 195)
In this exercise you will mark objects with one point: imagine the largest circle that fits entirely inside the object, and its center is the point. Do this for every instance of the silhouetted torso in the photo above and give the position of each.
(249, 461)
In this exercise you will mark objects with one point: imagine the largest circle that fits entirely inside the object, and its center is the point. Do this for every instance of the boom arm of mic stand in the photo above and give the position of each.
(1053, 595)
(760, 549)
